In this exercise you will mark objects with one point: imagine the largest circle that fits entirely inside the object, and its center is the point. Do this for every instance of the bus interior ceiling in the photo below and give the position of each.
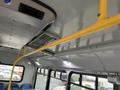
(94, 53)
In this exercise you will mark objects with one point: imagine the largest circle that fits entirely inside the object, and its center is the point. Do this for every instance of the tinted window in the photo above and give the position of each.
(64, 76)
(75, 78)
(5, 73)
(46, 71)
(53, 74)
(58, 75)
(103, 84)
(41, 82)
(88, 81)
(75, 87)
(56, 84)
(42, 71)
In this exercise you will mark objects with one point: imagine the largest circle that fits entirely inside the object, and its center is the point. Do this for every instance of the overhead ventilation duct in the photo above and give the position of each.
(43, 39)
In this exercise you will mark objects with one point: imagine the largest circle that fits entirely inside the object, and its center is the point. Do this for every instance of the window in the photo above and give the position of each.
(75, 78)
(5, 73)
(42, 71)
(75, 87)
(64, 76)
(88, 81)
(84, 81)
(41, 80)
(46, 71)
(103, 84)
(56, 84)
(53, 74)
(58, 74)
(39, 71)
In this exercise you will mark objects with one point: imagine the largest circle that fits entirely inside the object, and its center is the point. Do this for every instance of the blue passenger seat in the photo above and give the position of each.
(26, 87)
(14, 87)
(2, 86)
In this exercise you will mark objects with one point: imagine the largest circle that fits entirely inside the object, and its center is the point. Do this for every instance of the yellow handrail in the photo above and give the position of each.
(102, 9)
(99, 25)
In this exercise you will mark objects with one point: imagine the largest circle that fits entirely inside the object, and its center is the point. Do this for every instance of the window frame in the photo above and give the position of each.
(61, 76)
(80, 81)
(56, 74)
(21, 76)
(86, 86)
(98, 83)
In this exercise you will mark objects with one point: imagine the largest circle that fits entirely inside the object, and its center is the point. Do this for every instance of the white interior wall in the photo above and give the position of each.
(8, 57)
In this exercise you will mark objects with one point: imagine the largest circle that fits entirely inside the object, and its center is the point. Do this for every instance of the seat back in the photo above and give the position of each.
(26, 87)
(13, 87)
(2, 87)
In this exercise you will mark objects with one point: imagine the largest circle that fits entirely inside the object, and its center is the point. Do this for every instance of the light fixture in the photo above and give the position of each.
(37, 63)
(67, 56)
(67, 63)
(71, 56)
(29, 63)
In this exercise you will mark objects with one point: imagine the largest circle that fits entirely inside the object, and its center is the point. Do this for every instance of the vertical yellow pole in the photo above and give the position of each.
(9, 85)
(18, 55)
(102, 9)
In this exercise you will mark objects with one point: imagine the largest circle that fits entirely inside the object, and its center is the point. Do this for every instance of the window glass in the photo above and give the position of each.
(75, 87)
(103, 84)
(52, 73)
(42, 71)
(39, 71)
(40, 82)
(5, 73)
(75, 78)
(58, 75)
(56, 84)
(46, 71)
(64, 76)
(88, 81)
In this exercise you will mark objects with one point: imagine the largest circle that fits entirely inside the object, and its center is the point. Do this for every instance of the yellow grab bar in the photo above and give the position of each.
(102, 9)
(99, 25)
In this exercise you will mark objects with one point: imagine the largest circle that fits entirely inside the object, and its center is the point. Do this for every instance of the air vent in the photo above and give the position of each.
(43, 39)
(31, 11)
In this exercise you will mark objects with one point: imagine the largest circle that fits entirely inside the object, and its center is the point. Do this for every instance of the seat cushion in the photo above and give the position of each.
(14, 86)
(26, 87)
(2, 87)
